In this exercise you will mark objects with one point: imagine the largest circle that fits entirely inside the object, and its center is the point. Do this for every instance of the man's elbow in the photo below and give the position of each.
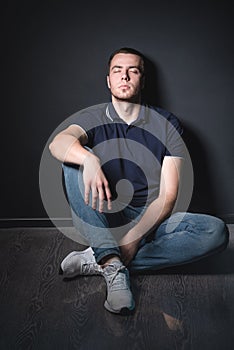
(54, 146)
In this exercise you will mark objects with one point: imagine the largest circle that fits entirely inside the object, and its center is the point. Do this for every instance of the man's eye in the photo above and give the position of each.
(135, 71)
(116, 70)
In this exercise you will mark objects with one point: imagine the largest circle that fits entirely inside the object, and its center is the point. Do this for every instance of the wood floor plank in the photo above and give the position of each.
(191, 307)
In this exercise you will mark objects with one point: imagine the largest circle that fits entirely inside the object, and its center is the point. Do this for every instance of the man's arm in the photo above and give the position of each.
(68, 147)
(157, 211)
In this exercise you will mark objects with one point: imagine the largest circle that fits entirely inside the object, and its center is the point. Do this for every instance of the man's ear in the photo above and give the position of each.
(108, 81)
(142, 82)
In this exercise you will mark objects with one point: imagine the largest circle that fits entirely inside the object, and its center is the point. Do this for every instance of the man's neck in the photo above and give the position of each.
(127, 111)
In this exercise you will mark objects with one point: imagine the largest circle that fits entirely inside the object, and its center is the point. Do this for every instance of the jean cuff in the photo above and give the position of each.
(101, 253)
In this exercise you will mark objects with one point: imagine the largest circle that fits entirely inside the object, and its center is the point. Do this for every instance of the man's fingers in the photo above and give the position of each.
(101, 198)
(108, 195)
(98, 195)
(99, 188)
(86, 194)
(94, 197)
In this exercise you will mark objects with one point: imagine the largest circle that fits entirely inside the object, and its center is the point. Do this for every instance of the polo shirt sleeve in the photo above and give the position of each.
(174, 142)
(87, 121)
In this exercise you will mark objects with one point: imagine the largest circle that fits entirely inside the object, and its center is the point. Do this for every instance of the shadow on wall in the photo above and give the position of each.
(203, 199)
(152, 93)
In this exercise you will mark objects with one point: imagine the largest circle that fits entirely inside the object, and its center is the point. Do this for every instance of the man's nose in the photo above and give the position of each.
(125, 76)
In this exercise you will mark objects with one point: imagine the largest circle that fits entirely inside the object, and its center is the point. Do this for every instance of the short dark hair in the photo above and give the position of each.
(128, 50)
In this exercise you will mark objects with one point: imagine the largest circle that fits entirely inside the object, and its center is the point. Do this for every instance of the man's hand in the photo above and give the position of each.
(128, 252)
(129, 247)
(96, 182)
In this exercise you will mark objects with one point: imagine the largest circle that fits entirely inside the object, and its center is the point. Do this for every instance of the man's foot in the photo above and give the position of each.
(80, 263)
(119, 297)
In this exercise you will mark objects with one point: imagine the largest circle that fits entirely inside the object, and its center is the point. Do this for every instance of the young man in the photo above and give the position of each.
(122, 165)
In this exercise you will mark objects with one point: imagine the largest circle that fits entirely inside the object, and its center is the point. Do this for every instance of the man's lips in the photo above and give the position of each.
(124, 87)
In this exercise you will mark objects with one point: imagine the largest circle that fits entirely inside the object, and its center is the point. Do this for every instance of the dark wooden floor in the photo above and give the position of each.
(190, 307)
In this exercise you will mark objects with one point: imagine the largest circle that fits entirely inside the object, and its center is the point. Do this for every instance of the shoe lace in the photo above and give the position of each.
(118, 279)
(90, 268)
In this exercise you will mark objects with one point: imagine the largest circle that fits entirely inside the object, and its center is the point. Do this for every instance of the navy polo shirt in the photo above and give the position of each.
(132, 154)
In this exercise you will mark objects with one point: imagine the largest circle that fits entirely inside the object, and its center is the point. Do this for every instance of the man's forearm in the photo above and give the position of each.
(161, 207)
(155, 214)
(67, 148)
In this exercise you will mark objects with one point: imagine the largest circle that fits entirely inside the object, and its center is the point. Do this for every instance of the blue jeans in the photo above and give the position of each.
(180, 239)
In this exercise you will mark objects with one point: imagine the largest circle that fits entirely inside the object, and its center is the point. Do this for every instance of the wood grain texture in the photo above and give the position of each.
(190, 307)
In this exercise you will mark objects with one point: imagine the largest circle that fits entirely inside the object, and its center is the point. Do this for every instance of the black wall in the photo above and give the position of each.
(55, 54)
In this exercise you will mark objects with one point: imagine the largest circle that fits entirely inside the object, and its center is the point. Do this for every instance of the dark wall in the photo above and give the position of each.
(55, 54)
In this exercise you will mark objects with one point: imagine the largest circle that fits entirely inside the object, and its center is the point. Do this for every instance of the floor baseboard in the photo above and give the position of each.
(66, 222)
(35, 222)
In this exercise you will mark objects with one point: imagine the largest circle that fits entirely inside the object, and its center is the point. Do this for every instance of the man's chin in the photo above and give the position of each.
(130, 99)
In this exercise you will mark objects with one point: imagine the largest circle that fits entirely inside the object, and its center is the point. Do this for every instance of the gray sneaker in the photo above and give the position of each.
(119, 297)
(80, 263)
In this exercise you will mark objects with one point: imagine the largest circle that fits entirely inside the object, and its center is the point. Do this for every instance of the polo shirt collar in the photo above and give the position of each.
(114, 117)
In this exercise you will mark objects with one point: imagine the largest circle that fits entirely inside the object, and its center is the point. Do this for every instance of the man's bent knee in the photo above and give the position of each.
(219, 234)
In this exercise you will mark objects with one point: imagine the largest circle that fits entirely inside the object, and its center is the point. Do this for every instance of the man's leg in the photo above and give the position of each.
(94, 227)
(181, 239)
(91, 225)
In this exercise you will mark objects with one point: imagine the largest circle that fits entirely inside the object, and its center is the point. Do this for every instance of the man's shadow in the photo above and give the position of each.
(152, 92)
(203, 198)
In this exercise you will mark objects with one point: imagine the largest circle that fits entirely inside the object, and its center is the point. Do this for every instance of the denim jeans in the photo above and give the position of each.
(180, 239)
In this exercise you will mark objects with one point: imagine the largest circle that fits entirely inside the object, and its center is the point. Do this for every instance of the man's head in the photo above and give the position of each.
(126, 75)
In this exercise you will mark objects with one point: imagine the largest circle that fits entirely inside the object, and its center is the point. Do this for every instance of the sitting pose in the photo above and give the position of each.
(122, 162)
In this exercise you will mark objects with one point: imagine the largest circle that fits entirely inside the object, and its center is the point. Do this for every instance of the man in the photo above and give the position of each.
(129, 224)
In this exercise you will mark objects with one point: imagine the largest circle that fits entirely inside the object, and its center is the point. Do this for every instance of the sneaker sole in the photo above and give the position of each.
(123, 311)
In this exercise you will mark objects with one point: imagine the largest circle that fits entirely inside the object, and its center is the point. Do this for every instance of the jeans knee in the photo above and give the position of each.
(223, 233)
(220, 233)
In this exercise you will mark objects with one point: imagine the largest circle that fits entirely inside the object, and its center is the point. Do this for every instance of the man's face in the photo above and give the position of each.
(125, 79)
